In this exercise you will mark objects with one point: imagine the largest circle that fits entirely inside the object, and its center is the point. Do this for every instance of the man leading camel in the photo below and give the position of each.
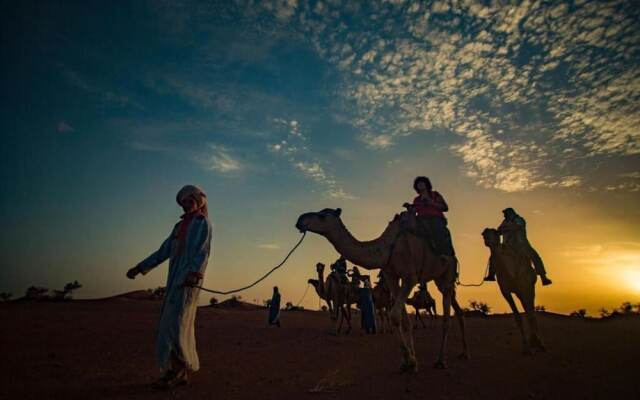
(514, 234)
(187, 249)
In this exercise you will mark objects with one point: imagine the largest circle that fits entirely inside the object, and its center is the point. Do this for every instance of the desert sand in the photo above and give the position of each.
(104, 349)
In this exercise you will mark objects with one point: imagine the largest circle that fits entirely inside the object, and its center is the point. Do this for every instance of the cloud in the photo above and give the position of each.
(107, 96)
(293, 147)
(269, 246)
(526, 88)
(380, 142)
(64, 127)
(219, 158)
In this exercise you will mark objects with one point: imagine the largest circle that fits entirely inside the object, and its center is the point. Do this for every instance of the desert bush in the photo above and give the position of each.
(541, 308)
(626, 308)
(581, 313)
(324, 308)
(37, 293)
(480, 306)
(213, 301)
(159, 292)
(65, 293)
(5, 297)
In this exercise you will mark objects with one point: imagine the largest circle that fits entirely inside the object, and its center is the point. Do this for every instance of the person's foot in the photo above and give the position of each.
(545, 281)
(171, 380)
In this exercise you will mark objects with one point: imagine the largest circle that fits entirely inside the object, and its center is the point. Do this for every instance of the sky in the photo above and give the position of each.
(276, 108)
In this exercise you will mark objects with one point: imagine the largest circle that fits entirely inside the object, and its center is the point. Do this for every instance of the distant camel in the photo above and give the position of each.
(403, 256)
(382, 301)
(422, 300)
(339, 295)
(319, 285)
(515, 276)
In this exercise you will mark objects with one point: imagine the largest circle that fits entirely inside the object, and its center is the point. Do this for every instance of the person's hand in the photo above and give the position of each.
(192, 279)
(131, 274)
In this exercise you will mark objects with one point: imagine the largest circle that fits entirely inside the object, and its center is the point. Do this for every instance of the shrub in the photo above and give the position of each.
(480, 306)
(159, 292)
(581, 313)
(36, 293)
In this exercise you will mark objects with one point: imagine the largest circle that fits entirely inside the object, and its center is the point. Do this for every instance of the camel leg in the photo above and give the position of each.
(336, 319)
(526, 349)
(460, 317)
(434, 315)
(446, 310)
(348, 318)
(529, 308)
(341, 312)
(419, 318)
(401, 322)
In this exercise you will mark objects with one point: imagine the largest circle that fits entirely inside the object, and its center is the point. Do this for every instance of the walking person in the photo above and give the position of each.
(187, 248)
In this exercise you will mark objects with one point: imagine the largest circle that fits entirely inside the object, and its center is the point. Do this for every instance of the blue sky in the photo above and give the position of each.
(281, 107)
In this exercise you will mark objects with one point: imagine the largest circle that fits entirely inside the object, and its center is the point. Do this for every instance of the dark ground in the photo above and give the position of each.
(104, 349)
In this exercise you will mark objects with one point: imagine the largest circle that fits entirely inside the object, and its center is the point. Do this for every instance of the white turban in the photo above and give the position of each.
(194, 192)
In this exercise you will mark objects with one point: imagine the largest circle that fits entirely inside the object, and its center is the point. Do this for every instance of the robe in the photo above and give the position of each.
(176, 331)
(367, 309)
(274, 309)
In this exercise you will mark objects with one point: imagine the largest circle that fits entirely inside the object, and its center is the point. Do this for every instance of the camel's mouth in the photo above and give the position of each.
(301, 225)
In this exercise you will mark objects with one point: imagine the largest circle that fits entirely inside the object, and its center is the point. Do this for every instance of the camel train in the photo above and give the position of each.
(405, 259)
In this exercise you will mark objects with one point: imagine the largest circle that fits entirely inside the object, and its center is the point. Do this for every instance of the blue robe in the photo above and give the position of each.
(367, 309)
(176, 332)
(274, 309)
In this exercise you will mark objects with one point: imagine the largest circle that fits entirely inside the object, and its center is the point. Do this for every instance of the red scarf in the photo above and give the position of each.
(184, 226)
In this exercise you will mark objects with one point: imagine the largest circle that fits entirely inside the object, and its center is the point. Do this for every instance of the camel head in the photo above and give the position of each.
(313, 282)
(321, 222)
(319, 267)
(491, 237)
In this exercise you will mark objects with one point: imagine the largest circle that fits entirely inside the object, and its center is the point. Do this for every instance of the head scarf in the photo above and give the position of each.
(198, 195)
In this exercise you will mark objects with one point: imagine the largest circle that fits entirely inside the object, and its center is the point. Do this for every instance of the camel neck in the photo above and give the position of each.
(368, 254)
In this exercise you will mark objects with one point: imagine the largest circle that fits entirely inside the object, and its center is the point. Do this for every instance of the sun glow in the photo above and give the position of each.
(631, 277)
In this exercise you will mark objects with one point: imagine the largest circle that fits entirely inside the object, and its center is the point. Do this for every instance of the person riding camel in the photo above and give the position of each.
(430, 207)
(356, 276)
(514, 234)
(340, 269)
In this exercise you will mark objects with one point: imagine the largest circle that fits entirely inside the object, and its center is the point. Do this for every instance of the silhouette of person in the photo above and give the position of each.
(514, 234)
(430, 207)
(274, 308)
(187, 249)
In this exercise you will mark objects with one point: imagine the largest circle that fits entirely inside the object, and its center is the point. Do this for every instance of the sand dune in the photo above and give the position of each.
(104, 349)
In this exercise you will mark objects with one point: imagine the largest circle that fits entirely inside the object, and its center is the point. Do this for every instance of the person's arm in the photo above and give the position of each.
(198, 248)
(508, 226)
(155, 259)
(439, 202)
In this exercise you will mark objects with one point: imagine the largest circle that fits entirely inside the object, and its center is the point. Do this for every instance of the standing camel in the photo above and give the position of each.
(339, 294)
(405, 259)
(515, 276)
(319, 285)
(422, 300)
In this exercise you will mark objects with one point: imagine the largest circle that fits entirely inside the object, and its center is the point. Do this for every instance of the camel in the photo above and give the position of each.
(319, 286)
(341, 296)
(338, 296)
(382, 301)
(405, 259)
(423, 301)
(515, 276)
